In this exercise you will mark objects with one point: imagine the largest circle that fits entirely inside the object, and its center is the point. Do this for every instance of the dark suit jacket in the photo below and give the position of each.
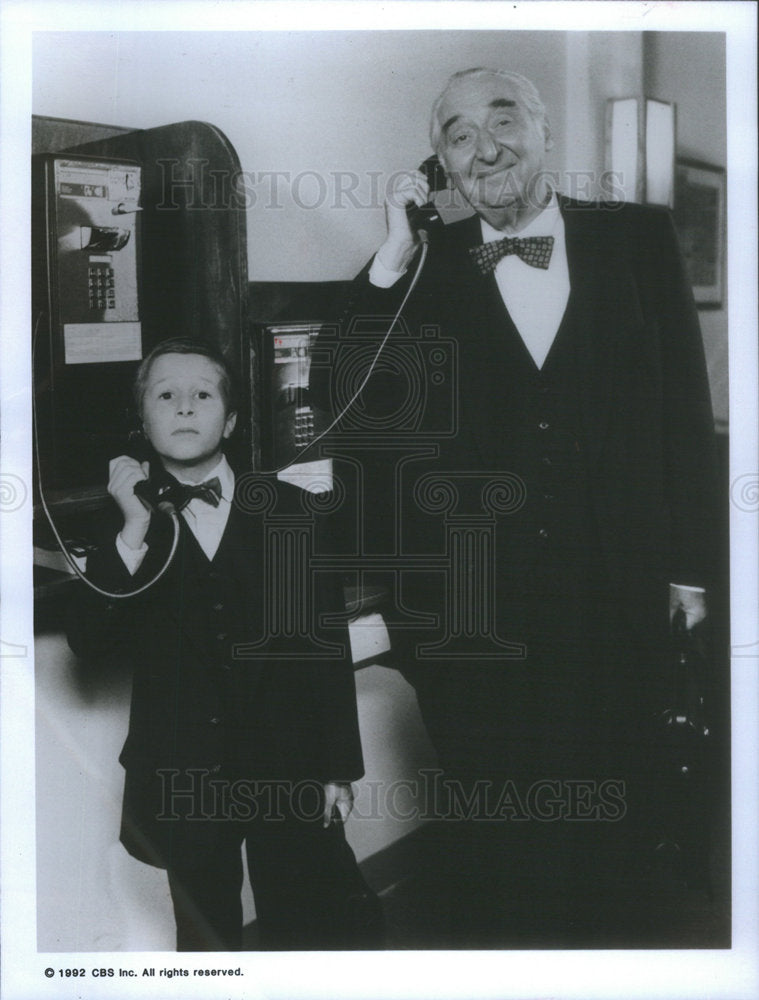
(281, 708)
(646, 414)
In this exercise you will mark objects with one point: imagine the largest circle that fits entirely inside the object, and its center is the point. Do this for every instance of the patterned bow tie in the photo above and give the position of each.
(209, 492)
(533, 250)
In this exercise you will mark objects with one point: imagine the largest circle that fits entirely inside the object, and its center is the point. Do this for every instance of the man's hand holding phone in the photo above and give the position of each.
(407, 189)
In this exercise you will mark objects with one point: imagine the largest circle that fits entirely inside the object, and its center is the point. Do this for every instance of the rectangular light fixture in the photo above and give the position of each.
(640, 149)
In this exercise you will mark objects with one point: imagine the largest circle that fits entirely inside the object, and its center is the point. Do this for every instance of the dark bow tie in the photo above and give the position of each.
(208, 492)
(533, 250)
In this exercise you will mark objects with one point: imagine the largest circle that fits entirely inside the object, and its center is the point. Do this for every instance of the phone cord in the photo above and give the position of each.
(175, 520)
(62, 545)
(422, 258)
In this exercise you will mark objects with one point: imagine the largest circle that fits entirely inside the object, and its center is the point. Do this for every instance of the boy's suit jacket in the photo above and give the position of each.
(230, 681)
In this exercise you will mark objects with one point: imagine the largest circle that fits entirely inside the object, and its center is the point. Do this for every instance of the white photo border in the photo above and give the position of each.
(732, 974)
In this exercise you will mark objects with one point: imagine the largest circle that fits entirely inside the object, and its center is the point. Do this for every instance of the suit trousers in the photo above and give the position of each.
(308, 891)
(545, 767)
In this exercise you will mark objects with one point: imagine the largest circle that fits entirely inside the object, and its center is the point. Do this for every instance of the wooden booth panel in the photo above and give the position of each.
(192, 282)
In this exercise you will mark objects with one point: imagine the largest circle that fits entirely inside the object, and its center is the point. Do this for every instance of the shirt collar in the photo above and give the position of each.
(226, 479)
(548, 222)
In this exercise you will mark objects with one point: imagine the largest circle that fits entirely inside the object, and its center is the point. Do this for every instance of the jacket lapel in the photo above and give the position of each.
(604, 308)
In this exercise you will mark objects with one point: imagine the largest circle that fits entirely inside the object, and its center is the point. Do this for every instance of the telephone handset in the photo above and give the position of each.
(423, 219)
(163, 498)
(426, 218)
(156, 495)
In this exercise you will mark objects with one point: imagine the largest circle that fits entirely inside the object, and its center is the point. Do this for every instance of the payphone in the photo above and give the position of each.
(289, 419)
(86, 312)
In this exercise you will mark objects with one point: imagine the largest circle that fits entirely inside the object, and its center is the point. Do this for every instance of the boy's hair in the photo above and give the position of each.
(185, 345)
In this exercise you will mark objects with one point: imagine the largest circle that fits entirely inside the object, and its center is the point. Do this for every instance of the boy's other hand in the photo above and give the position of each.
(337, 794)
(123, 473)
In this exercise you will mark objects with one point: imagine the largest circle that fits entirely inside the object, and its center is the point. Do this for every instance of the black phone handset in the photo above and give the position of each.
(152, 498)
(163, 499)
(425, 219)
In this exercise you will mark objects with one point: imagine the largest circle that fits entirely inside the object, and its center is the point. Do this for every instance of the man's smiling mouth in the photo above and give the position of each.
(486, 174)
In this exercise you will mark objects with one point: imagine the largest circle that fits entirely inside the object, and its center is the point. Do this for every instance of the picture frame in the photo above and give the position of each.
(699, 214)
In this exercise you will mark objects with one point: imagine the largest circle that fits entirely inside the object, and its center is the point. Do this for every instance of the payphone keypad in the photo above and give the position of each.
(102, 293)
(304, 426)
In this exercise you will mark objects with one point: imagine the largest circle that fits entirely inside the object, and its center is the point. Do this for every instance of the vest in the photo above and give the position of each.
(550, 567)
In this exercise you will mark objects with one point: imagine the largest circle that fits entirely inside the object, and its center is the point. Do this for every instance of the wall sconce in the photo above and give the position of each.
(640, 149)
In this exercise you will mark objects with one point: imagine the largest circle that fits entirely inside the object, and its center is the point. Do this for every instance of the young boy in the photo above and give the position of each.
(243, 729)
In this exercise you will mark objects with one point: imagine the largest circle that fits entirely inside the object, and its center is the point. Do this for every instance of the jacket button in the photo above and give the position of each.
(214, 720)
(215, 769)
(543, 533)
(546, 460)
(221, 636)
(217, 607)
(544, 425)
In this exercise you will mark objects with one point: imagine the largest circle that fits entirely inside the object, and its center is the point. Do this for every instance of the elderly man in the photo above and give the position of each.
(578, 396)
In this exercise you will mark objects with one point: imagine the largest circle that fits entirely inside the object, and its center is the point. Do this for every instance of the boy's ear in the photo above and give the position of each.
(229, 426)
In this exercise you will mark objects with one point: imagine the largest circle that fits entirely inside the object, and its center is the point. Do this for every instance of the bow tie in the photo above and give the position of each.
(533, 250)
(209, 492)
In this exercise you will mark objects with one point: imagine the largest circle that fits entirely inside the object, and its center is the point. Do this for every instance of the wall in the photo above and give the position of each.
(690, 70)
(320, 120)
(328, 110)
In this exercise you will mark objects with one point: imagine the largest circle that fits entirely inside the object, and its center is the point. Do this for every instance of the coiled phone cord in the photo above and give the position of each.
(171, 512)
(62, 545)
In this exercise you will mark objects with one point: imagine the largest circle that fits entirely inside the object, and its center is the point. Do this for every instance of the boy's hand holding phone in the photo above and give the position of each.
(123, 473)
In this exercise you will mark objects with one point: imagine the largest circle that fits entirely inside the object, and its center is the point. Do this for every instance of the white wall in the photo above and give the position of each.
(689, 69)
(323, 107)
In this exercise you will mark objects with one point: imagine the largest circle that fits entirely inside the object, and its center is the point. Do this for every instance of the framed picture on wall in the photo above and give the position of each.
(700, 220)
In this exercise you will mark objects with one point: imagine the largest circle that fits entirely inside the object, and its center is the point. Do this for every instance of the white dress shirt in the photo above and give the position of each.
(206, 522)
(535, 298)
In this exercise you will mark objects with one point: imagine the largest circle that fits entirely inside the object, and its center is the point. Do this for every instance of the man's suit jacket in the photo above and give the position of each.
(646, 413)
(228, 680)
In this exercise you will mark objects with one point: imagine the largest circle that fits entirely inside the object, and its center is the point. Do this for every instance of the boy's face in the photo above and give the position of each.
(184, 414)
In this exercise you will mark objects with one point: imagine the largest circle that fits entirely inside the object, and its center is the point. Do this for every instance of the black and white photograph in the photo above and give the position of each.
(379, 494)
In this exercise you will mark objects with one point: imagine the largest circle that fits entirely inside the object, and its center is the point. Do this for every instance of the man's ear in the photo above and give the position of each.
(229, 426)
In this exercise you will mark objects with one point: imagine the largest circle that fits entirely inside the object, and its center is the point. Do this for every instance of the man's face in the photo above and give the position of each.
(494, 149)
(184, 414)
